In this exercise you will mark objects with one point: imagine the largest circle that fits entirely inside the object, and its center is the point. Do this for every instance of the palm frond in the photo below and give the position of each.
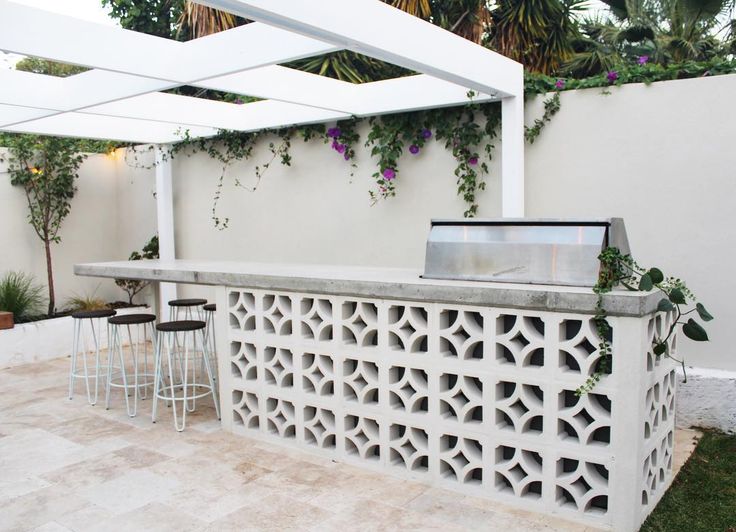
(201, 20)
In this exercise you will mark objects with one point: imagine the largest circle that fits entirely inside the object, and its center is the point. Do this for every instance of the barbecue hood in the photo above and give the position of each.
(524, 250)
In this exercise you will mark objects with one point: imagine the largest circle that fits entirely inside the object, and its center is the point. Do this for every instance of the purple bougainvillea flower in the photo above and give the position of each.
(340, 148)
(643, 60)
(389, 173)
(334, 132)
(473, 161)
(335, 144)
(414, 149)
(612, 76)
(560, 84)
(347, 156)
(426, 133)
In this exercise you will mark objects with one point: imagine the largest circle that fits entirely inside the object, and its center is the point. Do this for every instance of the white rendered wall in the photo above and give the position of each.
(662, 157)
(89, 233)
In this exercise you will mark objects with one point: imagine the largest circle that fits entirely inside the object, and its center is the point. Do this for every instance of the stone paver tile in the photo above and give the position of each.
(211, 502)
(10, 488)
(90, 472)
(685, 442)
(86, 430)
(85, 518)
(272, 513)
(153, 517)
(52, 526)
(448, 506)
(38, 507)
(139, 456)
(204, 469)
(130, 491)
(37, 451)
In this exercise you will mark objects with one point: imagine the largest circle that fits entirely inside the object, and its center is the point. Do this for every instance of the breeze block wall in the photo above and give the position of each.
(475, 399)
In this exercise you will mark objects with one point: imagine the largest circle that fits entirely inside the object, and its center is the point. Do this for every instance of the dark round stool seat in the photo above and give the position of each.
(210, 307)
(87, 314)
(132, 319)
(180, 326)
(194, 302)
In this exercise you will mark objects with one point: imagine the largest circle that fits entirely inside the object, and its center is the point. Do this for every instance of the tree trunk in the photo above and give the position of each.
(50, 275)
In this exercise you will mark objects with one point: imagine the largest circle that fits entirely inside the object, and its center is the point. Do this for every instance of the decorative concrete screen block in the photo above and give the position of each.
(467, 397)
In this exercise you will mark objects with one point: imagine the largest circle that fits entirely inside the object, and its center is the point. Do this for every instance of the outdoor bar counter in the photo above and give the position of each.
(465, 385)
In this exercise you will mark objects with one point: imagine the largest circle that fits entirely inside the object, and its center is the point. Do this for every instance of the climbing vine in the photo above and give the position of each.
(619, 269)
(468, 132)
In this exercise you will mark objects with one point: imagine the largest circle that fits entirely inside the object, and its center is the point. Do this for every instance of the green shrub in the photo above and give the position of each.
(86, 302)
(21, 295)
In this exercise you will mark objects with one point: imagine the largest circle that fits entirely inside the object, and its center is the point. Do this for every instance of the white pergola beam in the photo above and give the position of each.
(288, 85)
(121, 98)
(185, 110)
(378, 30)
(83, 125)
(38, 33)
(59, 95)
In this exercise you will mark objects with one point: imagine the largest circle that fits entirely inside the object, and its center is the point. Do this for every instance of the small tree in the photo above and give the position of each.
(134, 286)
(46, 168)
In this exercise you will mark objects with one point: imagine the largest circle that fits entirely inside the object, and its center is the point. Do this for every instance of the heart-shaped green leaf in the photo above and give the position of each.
(665, 305)
(704, 314)
(677, 297)
(646, 283)
(694, 331)
(656, 275)
(660, 349)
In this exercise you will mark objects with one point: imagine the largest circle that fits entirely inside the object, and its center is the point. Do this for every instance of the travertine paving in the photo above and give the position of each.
(65, 465)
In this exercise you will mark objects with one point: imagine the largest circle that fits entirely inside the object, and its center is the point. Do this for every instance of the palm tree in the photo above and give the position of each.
(663, 30)
(537, 33)
(197, 21)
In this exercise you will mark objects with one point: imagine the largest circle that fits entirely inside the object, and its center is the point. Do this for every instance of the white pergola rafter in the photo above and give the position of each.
(122, 96)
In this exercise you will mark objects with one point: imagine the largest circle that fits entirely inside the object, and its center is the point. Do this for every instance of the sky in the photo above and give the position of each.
(92, 10)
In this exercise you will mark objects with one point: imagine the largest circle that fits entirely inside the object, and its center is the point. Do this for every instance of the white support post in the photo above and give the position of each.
(165, 221)
(512, 156)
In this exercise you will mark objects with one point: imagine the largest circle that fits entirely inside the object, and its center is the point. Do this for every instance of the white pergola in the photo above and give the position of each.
(121, 97)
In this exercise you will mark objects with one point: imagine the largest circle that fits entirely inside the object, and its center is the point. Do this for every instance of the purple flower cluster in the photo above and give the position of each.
(339, 148)
(413, 149)
(473, 161)
(389, 174)
(560, 84)
(426, 133)
(334, 132)
(643, 60)
(612, 76)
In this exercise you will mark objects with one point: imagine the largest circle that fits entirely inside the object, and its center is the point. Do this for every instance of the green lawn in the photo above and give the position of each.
(703, 496)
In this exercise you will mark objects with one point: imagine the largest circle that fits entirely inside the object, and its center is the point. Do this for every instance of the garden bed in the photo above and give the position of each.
(36, 341)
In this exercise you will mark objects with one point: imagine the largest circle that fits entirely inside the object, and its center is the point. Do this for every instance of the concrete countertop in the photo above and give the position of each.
(383, 283)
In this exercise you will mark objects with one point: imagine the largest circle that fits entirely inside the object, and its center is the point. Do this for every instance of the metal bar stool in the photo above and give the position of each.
(181, 346)
(190, 308)
(209, 334)
(143, 326)
(95, 329)
(187, 309)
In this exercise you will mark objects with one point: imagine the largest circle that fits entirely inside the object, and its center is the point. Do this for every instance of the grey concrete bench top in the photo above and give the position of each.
(383, 283)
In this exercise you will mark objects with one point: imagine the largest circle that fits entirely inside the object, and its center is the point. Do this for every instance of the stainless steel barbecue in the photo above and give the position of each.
(559, 252)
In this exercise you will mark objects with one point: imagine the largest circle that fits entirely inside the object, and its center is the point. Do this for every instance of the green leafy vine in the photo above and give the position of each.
(619, 269)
